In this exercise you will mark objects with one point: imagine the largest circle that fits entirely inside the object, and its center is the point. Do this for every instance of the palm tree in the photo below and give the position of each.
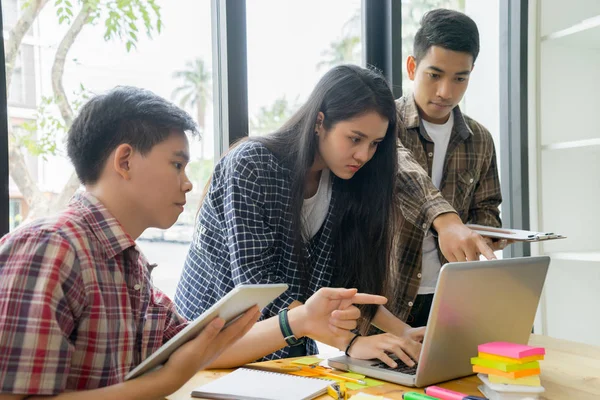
(195, 89)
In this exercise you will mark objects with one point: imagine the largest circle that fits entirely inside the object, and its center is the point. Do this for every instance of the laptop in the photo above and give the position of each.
(474, 303)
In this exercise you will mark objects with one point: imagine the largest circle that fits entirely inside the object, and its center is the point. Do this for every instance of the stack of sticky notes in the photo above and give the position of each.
(512, 370)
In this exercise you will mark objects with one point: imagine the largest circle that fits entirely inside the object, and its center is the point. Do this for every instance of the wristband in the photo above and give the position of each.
(286, 330)
(351, 343)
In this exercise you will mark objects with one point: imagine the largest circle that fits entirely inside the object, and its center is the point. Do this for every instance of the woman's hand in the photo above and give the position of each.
(329, 315)
(407, 347)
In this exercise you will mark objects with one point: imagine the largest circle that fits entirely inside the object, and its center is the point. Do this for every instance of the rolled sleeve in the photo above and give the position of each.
(420, 201)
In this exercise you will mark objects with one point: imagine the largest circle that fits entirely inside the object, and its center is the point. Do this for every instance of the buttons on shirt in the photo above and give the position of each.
(419, 275)
(430, 154)
(410, 303)
(424, 226)
(137, 286)
(471, 180)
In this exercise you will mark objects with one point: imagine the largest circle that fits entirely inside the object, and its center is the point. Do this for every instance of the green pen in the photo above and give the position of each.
(417, 396)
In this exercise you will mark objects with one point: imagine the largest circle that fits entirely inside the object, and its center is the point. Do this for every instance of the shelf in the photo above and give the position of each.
(585, 143)
(593, 256)
(585, 34)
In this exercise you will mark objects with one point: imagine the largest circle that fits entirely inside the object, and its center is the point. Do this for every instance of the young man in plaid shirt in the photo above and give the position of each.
(78, 309)
(457, 152)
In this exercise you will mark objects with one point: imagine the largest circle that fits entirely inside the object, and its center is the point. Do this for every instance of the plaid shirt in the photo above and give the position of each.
(470, 184)
(78, 307)
(243, 235)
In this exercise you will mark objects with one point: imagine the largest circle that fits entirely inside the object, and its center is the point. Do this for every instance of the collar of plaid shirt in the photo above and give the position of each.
(104, 226)
(409, 113)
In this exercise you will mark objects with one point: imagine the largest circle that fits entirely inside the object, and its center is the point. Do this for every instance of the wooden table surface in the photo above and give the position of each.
(570, 371)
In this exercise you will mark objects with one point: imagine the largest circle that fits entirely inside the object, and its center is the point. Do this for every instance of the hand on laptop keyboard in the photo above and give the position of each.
(381, 346)
(403, 368)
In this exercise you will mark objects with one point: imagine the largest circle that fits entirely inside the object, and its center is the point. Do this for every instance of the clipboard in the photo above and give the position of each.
(514, 234)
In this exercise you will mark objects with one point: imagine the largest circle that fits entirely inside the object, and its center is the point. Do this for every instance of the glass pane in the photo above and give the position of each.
(283, 65)
(146, 48)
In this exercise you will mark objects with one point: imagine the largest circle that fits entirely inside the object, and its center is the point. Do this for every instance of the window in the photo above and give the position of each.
(10, 13)
(168, 53)
(283, 65)
(15, 216)
(22, 91)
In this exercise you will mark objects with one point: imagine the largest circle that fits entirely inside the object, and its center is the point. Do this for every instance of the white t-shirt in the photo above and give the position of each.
(315, 208)
(440, 135)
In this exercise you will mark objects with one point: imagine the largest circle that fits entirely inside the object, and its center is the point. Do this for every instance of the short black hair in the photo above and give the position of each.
(449, 29)
(125, 114)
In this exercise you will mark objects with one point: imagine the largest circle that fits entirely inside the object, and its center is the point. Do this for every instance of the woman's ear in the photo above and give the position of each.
(319, 123)
(123, 156)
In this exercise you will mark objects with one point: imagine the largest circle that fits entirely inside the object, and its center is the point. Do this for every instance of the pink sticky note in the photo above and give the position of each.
(511, 350)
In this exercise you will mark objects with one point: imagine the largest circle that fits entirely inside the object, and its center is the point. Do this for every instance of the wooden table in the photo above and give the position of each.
(570, 371)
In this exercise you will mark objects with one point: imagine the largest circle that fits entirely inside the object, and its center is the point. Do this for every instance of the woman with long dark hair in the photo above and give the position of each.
(310, 205)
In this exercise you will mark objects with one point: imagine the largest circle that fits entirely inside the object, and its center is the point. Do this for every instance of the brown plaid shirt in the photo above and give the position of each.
(470, 184)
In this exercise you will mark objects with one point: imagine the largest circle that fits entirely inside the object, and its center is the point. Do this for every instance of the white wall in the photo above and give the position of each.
(565, 153)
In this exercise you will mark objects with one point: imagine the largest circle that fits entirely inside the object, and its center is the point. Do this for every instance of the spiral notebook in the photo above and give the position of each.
(251, 384)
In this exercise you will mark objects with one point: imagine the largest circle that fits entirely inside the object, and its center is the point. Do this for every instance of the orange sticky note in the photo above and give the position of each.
(512, 375)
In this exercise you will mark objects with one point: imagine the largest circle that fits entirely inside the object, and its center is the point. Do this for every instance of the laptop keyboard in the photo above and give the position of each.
(402, 368)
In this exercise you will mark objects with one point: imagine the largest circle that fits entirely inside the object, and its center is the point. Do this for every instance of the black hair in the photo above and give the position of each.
(125, 114)
(449, 29)
(364, 222)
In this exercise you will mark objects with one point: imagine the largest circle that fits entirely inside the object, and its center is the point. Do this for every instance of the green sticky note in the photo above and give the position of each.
(372, 382)
(353, 375)
(503, 366)
(355, 386)
(307, 361)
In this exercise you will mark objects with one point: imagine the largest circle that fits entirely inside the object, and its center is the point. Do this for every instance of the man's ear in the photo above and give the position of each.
(411, 67)
(122, 158)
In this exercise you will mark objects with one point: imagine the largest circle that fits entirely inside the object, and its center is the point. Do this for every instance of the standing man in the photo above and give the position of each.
(457, 152)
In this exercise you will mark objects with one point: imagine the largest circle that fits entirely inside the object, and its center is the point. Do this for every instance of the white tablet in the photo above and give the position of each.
(231, 306)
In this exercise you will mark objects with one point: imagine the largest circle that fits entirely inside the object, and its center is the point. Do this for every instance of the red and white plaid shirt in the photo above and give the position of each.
(77, 306)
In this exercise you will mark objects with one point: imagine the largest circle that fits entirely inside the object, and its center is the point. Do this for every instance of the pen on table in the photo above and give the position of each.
(417, 396)
(323, 371)
(445, 394)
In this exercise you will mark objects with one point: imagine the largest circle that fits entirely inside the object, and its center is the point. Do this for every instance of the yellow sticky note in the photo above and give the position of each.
(307, 361)
(509, 360)
(364, 396)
